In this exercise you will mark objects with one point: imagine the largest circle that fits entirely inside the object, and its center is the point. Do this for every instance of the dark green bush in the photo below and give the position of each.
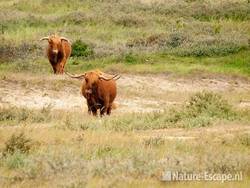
(130, 58)
(81, 49)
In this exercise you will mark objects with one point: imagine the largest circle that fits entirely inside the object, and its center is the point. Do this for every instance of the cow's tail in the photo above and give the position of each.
(114, 106)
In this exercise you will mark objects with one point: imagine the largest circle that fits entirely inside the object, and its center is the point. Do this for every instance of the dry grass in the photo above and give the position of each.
(163, 122)
(67, 157)
(72, 149)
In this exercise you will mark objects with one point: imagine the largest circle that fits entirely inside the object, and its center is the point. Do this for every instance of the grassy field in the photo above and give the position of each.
(130, 36)
(183, 98)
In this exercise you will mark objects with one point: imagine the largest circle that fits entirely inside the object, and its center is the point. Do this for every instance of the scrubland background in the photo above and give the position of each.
(183, 99)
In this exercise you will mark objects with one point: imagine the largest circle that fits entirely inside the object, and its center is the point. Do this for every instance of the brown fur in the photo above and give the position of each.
(102, 91)
(99, 89)
(92, 104)
(58, 51)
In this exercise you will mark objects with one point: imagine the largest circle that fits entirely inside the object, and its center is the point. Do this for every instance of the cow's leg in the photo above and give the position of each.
(89, 107)
(63, 62)
(54, 69)
(109, 109)
(60, 69)
(94, 111)
(53, 66)
(105, 107)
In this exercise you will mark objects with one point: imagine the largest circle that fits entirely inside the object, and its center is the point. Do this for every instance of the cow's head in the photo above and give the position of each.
(91, 78)
(55, 42)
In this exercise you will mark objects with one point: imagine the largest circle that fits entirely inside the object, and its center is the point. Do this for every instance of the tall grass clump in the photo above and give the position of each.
(17, 143)
(15, 151)
(202, 110)
(14, 115)
(10, 51)
(210, 103)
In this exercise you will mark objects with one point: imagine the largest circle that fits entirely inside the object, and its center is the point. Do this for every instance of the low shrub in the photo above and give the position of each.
(81, 49)
(14, 115)
(175, 39)
(15, 160)
(129, 20)
(202, 110)
(10, 51)
(210, 103)
(17, 143)
(226, 10)
(154, 40)
(73, 18)
(130, 58)
(154, 141)
(209, 50)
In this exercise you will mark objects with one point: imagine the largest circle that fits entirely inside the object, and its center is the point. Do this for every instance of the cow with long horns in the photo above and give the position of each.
(58, 51)
(99, 89)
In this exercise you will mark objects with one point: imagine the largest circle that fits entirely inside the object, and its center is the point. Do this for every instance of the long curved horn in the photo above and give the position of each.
(44, 38)
(63, 38)
(74, 76)
(101, 76)
(117, 76)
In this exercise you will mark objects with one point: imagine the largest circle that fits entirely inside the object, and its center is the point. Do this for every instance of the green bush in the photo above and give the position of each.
(202, 110)
(210, 103)
(130, 58)
(81, 49)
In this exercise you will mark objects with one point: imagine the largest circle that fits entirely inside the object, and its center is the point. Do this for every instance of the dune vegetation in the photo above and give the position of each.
(178, 36)
(183, 98)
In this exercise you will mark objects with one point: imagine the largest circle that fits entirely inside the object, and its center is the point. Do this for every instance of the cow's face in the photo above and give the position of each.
(55, 44)
(91, 79)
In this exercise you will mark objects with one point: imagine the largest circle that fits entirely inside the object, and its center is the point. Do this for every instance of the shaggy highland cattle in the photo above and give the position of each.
(58, 51)
(99, 89)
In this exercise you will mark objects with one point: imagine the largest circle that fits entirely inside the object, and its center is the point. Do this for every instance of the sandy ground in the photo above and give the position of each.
(136, 93)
